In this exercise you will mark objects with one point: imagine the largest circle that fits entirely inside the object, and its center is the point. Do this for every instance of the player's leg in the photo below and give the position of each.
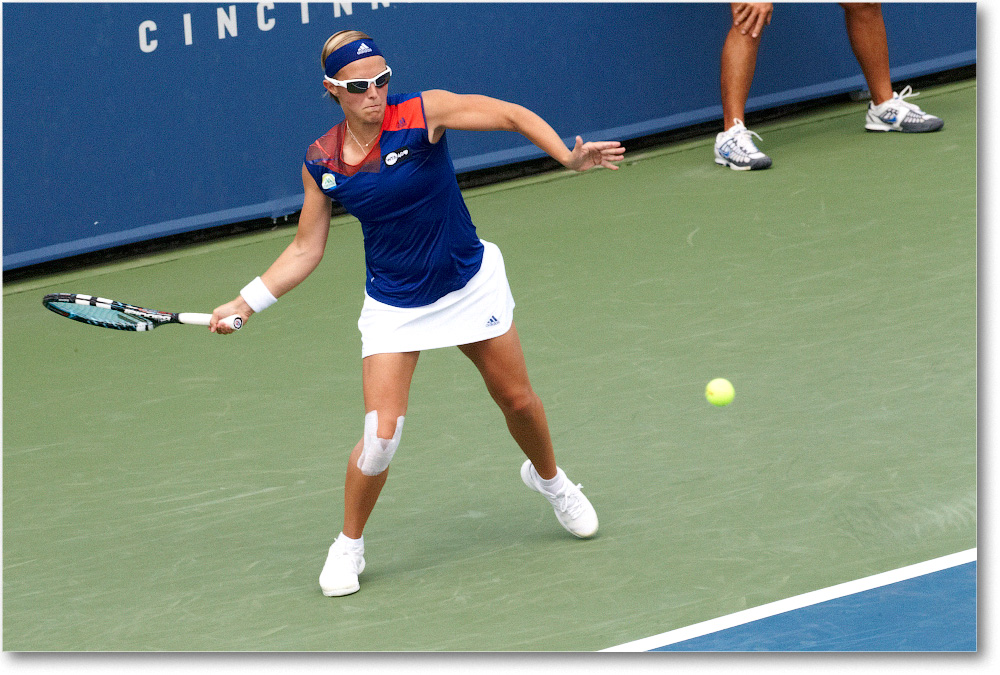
(502, 365)
(386, 380)
(501, 362)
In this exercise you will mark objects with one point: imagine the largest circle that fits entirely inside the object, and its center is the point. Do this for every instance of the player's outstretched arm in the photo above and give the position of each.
(446, 110)
(296, 262)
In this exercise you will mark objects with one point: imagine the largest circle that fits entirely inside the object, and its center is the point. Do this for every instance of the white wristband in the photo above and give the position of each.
(257, 296)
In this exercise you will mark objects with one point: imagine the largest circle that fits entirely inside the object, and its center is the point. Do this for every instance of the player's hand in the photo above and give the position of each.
(595, 153)
(237, 306)
(751, 17)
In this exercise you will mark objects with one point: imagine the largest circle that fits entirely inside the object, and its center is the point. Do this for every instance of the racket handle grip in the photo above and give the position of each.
(195, 319)
(235, 321)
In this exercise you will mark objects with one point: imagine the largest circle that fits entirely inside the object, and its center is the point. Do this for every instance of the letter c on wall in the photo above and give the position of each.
(145, 44)
(264, 23)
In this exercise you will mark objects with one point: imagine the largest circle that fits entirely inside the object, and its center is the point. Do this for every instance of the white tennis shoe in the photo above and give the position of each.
(340, 573)
(897, 114)
(573, 510)
(735, 148)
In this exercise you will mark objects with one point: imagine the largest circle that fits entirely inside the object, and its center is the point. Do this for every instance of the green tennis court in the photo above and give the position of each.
(177, 490)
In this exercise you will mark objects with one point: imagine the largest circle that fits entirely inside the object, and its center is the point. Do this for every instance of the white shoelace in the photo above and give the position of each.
(907, 92)
(742, 137)
(349, 560)
(343, 550)
(743, 140)
(570, 502)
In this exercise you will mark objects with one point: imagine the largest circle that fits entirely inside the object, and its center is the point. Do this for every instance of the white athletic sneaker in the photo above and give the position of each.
(898, 115)
(573, 509)
(340, 573)
(734, 148)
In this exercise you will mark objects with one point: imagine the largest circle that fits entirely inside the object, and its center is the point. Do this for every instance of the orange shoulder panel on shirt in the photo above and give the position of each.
(406, 115)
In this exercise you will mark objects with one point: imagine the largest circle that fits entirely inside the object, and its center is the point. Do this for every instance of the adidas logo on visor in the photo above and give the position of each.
(363, 49)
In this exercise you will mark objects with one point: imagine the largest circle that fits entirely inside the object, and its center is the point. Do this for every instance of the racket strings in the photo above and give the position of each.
(100, 312)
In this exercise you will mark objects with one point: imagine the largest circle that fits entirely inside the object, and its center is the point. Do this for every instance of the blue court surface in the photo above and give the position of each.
(929, 607)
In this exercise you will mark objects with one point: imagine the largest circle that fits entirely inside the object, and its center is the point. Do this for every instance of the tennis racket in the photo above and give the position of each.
(121, 316)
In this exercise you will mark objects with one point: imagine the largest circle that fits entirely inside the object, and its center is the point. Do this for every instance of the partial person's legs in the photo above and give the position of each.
(501, 362)
(888, 111)
(739, 61)
(734, 147)
(866, 31)
(386, 379)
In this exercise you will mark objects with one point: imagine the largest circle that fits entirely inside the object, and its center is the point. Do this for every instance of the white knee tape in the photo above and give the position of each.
(378, 452)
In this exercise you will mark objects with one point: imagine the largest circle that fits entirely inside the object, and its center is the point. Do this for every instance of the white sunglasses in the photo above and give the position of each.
(361, 86)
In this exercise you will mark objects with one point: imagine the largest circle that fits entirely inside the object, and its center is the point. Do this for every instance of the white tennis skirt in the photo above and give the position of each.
(482, 309)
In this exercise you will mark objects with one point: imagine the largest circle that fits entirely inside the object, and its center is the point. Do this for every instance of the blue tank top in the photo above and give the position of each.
(420, 243)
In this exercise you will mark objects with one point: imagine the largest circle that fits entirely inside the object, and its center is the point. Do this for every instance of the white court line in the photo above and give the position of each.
(796, 602)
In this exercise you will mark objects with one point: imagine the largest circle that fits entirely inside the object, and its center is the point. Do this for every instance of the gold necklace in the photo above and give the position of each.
(363, 146)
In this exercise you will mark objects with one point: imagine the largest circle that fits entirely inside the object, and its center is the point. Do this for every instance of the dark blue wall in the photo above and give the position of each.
(107, 144)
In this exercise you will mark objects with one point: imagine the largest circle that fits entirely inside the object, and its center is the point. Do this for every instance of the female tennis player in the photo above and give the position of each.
(431, 282)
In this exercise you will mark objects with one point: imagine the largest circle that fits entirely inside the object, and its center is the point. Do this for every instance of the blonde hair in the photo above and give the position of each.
(335, 42)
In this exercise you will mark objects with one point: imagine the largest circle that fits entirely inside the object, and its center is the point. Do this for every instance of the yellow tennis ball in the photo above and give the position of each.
(720, 392)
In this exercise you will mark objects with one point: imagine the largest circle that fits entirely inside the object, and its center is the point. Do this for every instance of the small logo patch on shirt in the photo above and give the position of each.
(329, 181)
(396, 156)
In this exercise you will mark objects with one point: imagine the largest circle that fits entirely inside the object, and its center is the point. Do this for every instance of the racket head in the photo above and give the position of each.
(104, 312)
